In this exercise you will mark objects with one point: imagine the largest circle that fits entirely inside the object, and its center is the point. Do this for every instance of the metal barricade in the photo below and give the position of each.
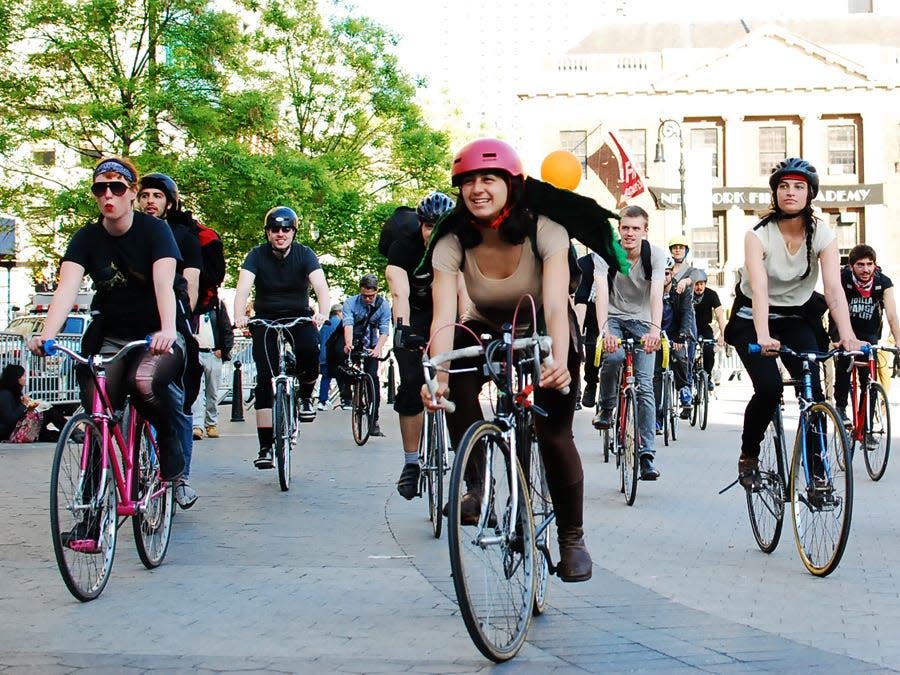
(243, 352)
(47, 378)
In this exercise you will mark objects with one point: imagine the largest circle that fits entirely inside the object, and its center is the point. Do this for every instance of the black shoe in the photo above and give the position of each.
(842, 416)
(470, 510)
(603, 419)
(408, 485)
(648, 471)
(346, 404)
(264, 461)
(376, 430)
(685, 414)
(589, 399)
(307, 411)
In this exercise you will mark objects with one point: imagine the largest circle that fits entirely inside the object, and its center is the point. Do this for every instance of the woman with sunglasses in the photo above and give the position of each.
(131, 258)
(281, 271)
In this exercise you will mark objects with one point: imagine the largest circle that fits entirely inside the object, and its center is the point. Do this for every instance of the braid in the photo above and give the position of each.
(808, 226)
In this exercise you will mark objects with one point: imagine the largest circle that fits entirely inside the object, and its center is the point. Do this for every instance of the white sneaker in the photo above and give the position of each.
(307, 412)
(324, 406)
(185, 496)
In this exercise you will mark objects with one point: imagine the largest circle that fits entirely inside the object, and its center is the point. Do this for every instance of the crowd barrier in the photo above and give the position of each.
(47, 378)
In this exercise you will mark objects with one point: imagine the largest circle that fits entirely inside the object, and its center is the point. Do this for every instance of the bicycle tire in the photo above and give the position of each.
(362, 414)
(630, 447)
(877, 438)
(541, 514)
(606, 442)
(281, 435)
(435, 468)
(702, 400)
(695, 391)
(666, 405)
(153, 525)
(493, 580)
(821, 512)
(766, 506)
(85, 569)
(673, 409)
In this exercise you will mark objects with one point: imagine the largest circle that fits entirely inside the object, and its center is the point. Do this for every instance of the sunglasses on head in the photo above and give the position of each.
(280, 228)
(118, 188)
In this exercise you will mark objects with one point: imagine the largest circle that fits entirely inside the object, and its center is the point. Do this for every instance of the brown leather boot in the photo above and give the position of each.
(748, 473)
(575, 562)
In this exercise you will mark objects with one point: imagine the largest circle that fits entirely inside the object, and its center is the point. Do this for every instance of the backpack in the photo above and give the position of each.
(213, 273)
(645, 263)
(403, 223)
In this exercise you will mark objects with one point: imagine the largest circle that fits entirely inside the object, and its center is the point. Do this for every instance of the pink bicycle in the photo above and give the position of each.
(93, 488)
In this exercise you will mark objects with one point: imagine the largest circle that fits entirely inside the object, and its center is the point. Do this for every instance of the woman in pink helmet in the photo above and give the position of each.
(488, 241)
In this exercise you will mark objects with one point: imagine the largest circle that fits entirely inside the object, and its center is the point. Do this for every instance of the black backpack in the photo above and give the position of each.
(403, 223)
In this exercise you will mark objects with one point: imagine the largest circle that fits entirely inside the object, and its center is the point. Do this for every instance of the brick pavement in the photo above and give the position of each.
(341, 574)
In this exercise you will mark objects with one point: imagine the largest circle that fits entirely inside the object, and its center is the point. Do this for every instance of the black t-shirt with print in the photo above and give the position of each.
(282, 284)
(406, 253)
(704, 307)
(121, 268)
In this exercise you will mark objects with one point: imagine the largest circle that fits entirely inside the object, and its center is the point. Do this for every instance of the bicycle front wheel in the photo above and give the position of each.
(629, 442)
(83, 520)
(766, 506)
(701, 400)
(667, 406)
(152, 522)
(877, 437)
(491, 541)
(363, 413)
(673, 409)
(821, 490)
(542, 516)
(435, 466)
(281, 428)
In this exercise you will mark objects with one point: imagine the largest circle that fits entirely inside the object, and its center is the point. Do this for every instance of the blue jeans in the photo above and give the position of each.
(610, 368)
(181, 424)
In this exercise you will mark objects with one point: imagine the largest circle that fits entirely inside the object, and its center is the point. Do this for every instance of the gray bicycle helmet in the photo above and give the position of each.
(701, 276)
(433, 206)
(795, 167)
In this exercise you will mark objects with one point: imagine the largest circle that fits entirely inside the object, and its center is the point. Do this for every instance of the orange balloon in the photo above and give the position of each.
(562, 169)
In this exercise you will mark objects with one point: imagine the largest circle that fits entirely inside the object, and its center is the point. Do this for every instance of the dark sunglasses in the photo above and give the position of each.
(280, 228)
(117, 187)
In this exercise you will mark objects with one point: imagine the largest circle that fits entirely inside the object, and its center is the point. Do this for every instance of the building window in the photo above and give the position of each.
(841, 149)
(576, 143)
(635, 143)
(707, 139)
(772, 148)
(44, 157)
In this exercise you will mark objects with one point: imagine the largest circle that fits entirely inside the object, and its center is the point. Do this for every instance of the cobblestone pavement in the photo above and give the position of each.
(342, 574)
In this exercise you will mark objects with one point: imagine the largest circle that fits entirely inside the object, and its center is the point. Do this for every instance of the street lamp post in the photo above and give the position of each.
(667, 129)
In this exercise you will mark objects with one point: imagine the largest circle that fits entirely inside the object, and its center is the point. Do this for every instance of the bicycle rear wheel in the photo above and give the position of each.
(281, 428)
(701, 400)
(491, 556)
(877, 438)
(433, 472)
(629, 447)
(821, 490)
(152, 524)
(766, 506)
(83, 519)
(667, 404)
(673, 409)
(363, 413)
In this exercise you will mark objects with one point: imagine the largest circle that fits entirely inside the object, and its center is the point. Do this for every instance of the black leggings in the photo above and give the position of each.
(562, 462)
(304, 340)
(794, 332)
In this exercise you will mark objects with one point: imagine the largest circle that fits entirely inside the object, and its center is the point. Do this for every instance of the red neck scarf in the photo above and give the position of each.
(865, 290)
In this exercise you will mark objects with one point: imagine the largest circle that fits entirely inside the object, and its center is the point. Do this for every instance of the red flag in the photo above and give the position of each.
(632, 185)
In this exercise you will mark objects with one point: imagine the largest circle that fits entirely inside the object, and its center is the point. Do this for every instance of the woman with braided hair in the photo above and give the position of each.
(776, 302)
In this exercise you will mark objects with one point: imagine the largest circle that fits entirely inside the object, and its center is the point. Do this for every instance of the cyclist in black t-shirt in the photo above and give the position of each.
(131, 258)
(281, 271)
(707, 304)
(411, 304)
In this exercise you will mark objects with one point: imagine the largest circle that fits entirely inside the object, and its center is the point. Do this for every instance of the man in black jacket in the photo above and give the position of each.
(215, 338)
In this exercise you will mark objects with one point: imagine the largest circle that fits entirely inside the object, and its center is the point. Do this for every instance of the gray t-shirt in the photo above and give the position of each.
(630, 295)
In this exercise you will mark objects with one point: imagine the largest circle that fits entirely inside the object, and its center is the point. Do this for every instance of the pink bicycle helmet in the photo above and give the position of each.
(483, 155)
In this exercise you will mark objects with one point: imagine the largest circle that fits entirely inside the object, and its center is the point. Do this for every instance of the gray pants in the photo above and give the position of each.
(643, 375)
(204, 409)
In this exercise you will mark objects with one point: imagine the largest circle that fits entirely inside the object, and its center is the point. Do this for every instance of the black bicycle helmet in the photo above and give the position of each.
(281, 216)
(800, 168)
(160, 181)
(433, 206)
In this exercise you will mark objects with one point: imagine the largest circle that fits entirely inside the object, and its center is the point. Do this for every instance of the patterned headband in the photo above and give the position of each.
(117, 167)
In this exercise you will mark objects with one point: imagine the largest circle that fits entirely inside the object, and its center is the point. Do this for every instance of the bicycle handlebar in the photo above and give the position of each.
(280, 323)
(754, 348)
(52, 348)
